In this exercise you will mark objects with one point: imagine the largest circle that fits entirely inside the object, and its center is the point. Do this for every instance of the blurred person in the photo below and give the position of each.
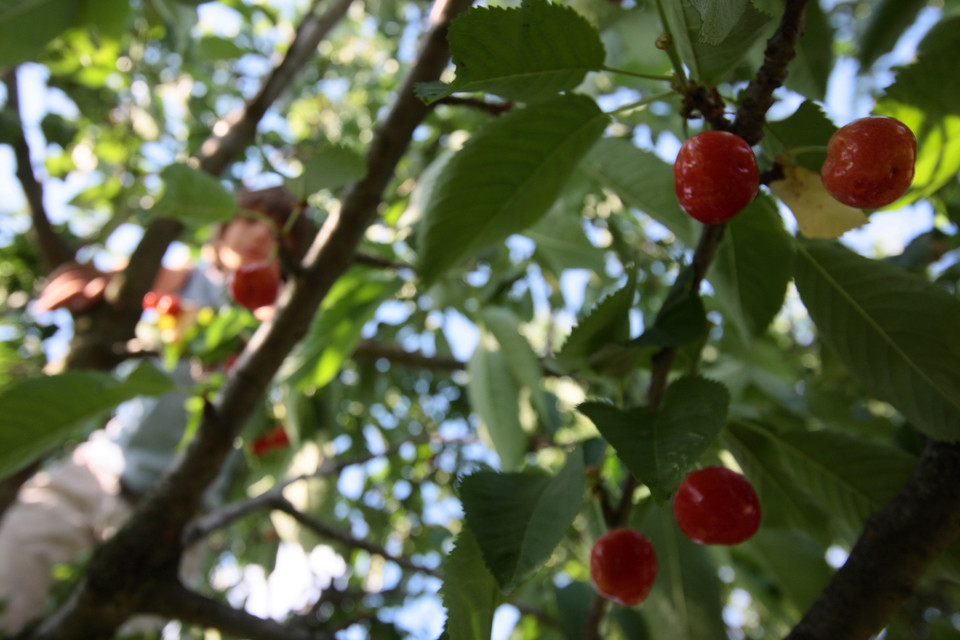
(76, 502)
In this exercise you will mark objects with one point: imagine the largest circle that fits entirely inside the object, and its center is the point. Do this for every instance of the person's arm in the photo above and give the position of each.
(80, 287)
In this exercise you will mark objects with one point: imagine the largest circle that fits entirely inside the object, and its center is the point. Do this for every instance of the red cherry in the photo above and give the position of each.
(256, 284)
(169, 304)
(275, 438)
(716, 506)
(150, 299)
(623, 566)
(715, 176)
(870, 162)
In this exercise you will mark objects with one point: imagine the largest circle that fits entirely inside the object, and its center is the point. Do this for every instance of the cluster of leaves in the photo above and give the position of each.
(539, 432)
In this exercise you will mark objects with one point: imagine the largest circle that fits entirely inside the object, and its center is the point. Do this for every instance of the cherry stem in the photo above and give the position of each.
(637, 74)
(671, 48)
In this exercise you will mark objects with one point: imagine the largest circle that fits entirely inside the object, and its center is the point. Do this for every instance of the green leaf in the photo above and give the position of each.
(521, 360)
(470, 593)
(608, 322)
(718, 18)
(893, 330)
(58, 130)
(643, 181)
(711, 62)
(811, 67)
(573, 608)
(36, 416)
(562, 243)
(26, 26)
(108, 17)
(337, 328)
(851, 477)
(888, 20)
(753, 267)
(921, 83)
(659, 446)
(794, 562)
(807, 126)
(495, 396)
(519, 518)
(505, 178)
(680, 320)
(759, 452)
(938, 148)
(524, 54)
(195, 197)
(331, 168)
(686, 596)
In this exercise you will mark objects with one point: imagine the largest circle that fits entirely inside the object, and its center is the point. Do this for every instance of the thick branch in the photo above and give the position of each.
(53, 250)
(172, 600)
(396, 354)
(893, 551)
(324, 530)
(781, 49)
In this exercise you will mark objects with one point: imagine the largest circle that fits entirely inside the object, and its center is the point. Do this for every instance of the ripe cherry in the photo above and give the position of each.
(150, 299)
(870, 162)
(169, 304)
(275, 438)
(623, 566)
(716, 506)
(256, 284)
(715, 176)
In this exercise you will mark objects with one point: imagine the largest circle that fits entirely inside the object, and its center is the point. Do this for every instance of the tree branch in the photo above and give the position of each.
(893, 551)
(396, 354)
(781, 49)
(172, 600)
(53, 250)
(324, 530)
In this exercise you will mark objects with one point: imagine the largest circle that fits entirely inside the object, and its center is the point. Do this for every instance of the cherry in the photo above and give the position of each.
(623, 566)
(716, 506)
(169, 304)
(869, 162)
(256, 284)
(150, 299)
(715, 176)
(275, 438)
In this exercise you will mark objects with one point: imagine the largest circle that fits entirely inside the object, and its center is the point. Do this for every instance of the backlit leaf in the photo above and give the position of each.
(495, 396)
(195, 197)
(818, 213)
(337, 329)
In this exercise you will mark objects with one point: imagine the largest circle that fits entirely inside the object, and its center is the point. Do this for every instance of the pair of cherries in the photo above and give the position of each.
(870, 163)
(713, 505)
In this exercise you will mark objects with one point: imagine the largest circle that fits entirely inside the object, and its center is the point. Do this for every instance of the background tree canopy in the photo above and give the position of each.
(506, 337)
